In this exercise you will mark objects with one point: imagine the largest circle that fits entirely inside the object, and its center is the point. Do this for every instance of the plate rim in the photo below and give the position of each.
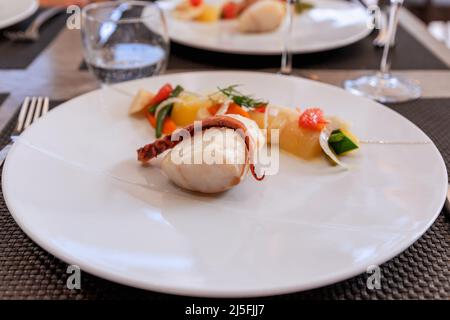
(327, 279)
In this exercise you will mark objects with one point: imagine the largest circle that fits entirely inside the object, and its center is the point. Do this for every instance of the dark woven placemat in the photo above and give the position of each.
(3, 97)
(433, 117)
(19, 55)
(358, 56)
(421, 272)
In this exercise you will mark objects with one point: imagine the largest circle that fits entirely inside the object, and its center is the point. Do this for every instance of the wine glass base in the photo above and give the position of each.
(285, 72)
(384, 88)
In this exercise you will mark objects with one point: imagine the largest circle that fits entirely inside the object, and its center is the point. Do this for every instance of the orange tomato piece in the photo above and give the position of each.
(261, 108)
(162, 94)
(196, 3)
(234, 108)
(169, 126)
(312, 119)
(214, 108)
(230, 10)
(151, 119)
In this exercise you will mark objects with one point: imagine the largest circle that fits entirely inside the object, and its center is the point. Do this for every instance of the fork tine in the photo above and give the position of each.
(46, 105)
(37, 112)
(22, 114)
(30, 113)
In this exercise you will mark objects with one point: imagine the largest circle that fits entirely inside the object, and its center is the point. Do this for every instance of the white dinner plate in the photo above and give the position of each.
(330, 24)
(12, 12)
(73, 184)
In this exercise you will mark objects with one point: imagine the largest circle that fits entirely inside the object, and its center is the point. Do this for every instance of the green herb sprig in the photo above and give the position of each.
(301, 6)
(241, 99)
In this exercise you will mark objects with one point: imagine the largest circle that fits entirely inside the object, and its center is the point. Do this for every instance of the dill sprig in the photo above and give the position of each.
(243, 100)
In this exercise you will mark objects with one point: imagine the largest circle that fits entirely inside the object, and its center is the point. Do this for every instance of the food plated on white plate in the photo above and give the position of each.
(310, 224)
(258, 27)
(307, 134)
(252, 16)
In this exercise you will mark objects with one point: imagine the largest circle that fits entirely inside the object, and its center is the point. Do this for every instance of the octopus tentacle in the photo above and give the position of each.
(253, 171)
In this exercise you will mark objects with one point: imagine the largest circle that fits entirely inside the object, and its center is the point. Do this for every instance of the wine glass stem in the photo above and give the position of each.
(286, 57)
(385, 65)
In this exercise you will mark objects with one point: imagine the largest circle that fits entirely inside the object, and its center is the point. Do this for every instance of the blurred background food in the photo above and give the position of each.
(435, 13)
(65, 3)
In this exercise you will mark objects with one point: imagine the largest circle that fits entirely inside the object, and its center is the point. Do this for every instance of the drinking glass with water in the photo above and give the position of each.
(124, 40)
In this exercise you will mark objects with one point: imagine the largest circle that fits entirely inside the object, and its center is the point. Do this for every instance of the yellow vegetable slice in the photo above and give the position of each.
(299, 141)
(209, 13)
(276, 119)
(140, 101)
(184, 111)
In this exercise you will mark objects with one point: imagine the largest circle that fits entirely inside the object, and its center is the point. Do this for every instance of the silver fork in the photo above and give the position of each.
(31, 110)
(32, 32)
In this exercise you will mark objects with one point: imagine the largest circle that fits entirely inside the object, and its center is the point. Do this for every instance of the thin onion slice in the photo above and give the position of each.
(334, 124)
(166, 103)
(223, 108)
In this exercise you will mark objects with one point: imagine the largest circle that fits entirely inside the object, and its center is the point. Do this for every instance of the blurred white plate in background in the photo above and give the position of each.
(330, 24)
(14, 11)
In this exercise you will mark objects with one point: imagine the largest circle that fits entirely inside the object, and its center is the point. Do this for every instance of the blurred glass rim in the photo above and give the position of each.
(116, 4)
